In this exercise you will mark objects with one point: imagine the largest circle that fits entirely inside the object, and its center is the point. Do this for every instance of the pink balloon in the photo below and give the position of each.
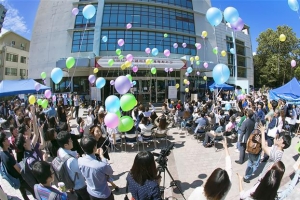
(238, 25)
(171, 69)
(75, 11)
(198, 46)
(198, 73)
(129, 57)
(53, 98)
(92, 78)
(128, 26)
(37, 86)
(135, 69)
(167, 52)
(120, 42)
(48, 94)
(112, 82)
(147, 50)
(183, 45)
(166, 70)
(205, 65)
(111, 120)
(186, 74)
(175, 45)
(293, 63)
(188, 83)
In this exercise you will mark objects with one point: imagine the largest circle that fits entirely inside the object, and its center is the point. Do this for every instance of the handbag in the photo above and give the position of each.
(126, 197)
(272, 132)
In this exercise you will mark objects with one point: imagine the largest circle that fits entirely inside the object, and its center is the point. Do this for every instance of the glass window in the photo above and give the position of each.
(83, 41)
(82, 22)
(23, 72)
(11, 71)
(23, 59)
(11, 57)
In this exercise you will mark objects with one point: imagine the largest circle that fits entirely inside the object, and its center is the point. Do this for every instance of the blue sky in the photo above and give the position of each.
(258, 14)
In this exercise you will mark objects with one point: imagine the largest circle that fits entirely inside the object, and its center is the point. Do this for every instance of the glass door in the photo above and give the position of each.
(144, 95)
(161, 91)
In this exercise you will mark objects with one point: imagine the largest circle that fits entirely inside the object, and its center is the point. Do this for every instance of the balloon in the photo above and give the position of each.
(122, 84)
(166, 70)
(232, 50)
(148, 61)
(153, 70)
(95, 70)
(183, 45)
(198, 73)
(191, 59)
(205, 65)
(227, 106)
(165, 35)
(92, 79)
(188, 83)
(39, 101)
(56, 75)
(189, 70)
(147, 50)
(128, 26)
(154, 51)
(112, 82)
(282, 38)
(37, 86)
(111, 120)
(221, 73)
(293, 63)
(120, 57)
(175, 45)
(75, 11)
(118, 52)
(177, 85)
(197, 58)
(198, 46)
(129, 77)
(89, 11)
(121, 42)
(167, 52)
(215, 50)
(129, 57)
(223, 53)
(53, 98)
(127, 64)
(48, 94)
(186, 89)
(100, 82)
(31, 99)
(171, 69)
(214, 16)
(123, 66)
(204, 34)
(134, 82)
(127, 102)
(204, 78)
(43, 75)
(135, 69)
(70, 62)
(104, 38)
(185, 81)
(238, 25)
(112, 103)
(126, 123)
(294, 5)
(186, 74)
(231, 14)
(119, 114)
(44, 103)
(197, 62)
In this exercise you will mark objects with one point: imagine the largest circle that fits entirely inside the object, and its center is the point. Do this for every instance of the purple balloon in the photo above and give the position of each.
(37, 86)
(238, 25)
(186, 74)
(122, 84)
(111, 120)
(198, 73)
(147, 50)
(183, 45)
(293, 63)
(167, 52)
(175, 45)
(198, 46)
(135, 69)
(128, 26)
(166, 70)
(171, 69)
(129, 57)
(48, 94)
(121, 42)
(205, 65)
(45, 82)
(92, 79)
(112, 82)
(75, 11)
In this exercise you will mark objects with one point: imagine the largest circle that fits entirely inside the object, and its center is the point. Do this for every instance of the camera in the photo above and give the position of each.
(162, 156)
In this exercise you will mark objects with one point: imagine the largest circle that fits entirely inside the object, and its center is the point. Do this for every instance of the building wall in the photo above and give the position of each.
(3, 11)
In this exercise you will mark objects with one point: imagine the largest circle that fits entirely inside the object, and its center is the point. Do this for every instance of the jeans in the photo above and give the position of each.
(252, 165)
(208, 137)
(242, 152)
(111, 197)
(82, 193)
(238, 144)
(76, 111)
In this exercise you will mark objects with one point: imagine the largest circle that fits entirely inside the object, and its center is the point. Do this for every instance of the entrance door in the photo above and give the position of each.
(145, 87)
(161, 90)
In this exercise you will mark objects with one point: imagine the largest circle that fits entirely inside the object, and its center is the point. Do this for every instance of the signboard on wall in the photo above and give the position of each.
(172, 94)
(95, 94)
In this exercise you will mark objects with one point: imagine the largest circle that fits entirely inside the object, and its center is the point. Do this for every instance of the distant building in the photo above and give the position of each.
(3, 11)
(14, 52)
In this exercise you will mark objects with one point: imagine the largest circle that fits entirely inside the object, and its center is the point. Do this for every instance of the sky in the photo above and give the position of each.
(258, 14)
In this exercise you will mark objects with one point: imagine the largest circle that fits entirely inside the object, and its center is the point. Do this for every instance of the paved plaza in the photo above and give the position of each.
(190, 165)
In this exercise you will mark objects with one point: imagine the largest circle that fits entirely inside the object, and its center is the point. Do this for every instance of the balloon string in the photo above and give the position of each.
(217, 47)
(107, 58)
(204, 48)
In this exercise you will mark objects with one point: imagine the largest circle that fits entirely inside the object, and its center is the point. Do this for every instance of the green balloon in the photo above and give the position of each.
(39, 101)
(215, 51)
(129, 77)
(165, 35)
(127, 102)
(118, 52)
(121, 57)
(119, 114)
(153, 70)
(43, 75)
(151, 61)
(111, 62)
(70, 62)
(125, 124)
(44, 103)
(243, 91)
(197, 62)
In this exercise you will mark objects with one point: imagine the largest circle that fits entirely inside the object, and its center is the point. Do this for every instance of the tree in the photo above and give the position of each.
(272, 62)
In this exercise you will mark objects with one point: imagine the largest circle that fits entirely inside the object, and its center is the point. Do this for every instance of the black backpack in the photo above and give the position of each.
(26, 172)
(61, 171)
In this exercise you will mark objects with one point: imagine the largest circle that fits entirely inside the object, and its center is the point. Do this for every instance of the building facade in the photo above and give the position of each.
(3, 11)
(14, 54)
(157, 24)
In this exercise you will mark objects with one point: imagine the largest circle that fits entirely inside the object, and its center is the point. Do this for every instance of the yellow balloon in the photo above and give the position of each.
(197, 58)
(186, 90)
(96, 70)
(127, 64)
(31, 99)
(123, 66)
(223, 53)
(191, 59)
(185, 81)
(204, 78)
(282, 38)
(204, 34)
(177, 85)
(148, 61)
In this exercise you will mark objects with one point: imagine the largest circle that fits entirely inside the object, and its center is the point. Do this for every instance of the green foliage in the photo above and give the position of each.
(272, 62)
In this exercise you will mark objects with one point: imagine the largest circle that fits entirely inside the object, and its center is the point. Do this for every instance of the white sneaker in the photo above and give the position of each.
(237, 151)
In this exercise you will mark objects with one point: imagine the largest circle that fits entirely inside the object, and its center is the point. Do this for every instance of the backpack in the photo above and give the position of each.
(253, 146)
(52, 195)
(61, 171)
(26, 172)
(14, 182)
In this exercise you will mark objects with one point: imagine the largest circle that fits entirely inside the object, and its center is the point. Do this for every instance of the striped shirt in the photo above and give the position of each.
(44, 193)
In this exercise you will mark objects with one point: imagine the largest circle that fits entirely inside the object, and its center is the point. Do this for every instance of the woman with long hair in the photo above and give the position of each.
(143, 180)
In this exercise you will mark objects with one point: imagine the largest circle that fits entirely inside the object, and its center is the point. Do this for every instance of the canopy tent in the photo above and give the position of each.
(23, 86)
(223, 86)
(206, 85)
(289, 92)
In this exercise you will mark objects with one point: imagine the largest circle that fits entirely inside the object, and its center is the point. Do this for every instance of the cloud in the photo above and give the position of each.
(254, 53)
(13, 20)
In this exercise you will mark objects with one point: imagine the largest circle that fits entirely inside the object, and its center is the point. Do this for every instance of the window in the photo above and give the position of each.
(140, 40)
(83, 41)
(23, 59)
(118, 15)
(81, 21)
(180, 3)
(13, 43)
(11, 71)
(80, 84)
(11, 57)
(23, 72)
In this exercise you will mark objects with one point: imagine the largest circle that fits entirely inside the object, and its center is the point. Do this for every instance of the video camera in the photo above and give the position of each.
(162, 156)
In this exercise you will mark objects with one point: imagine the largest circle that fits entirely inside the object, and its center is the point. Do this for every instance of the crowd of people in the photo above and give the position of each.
(41, 149)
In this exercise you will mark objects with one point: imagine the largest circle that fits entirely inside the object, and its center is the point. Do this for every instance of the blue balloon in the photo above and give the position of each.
(112, 104)
(189, 70)
(134, 82)
(154, 51)
(104, 39)
(100, 82)
(231, 15)
(227, 106)
(294, 5)
(214, 16)
(89, 11)
(232, 50)
(56, 75)
(221, 73)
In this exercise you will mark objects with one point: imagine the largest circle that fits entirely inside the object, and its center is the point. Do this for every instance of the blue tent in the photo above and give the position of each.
(23, 86)
(206, 85)
(289, 92)
(223, 86)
